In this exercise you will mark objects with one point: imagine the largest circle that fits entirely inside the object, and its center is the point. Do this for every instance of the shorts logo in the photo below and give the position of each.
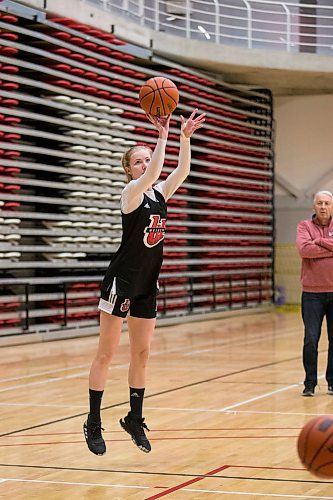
(155, 232)
(124, 306)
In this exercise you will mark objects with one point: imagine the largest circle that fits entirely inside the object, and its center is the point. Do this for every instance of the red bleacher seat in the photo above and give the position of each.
(78, 57)
(8, 102)
(104, 94)
(10, 171)
(8, 68)
(7, 18)
(78, 87)
(105, 80)
(11, 205)
(9, 85)
(9, 36)
(101, 64)
(12, 154)
(61, 83)
(62, 35)
(90, 75)
(61, 51)
(75, 40)
(8, 51)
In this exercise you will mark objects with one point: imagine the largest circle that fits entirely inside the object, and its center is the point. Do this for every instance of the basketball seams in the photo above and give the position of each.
(322, 474)
(162, 102)
(319, 450)
(171, 87)
(306, 439)
(170, 96)
(159, 96)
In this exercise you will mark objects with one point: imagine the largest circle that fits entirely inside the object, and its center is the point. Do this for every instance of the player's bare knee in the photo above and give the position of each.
(104, 358)
(141, 357)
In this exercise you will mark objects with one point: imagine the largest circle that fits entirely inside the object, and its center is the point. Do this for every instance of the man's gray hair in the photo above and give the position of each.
(326, 193)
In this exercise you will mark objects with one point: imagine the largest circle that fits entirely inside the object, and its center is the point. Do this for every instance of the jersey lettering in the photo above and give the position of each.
(155, 232)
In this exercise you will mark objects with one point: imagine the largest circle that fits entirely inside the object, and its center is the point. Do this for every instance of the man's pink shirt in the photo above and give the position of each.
(315, 246)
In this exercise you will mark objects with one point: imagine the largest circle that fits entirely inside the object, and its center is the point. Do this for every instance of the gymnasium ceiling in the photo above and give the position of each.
(285, 73)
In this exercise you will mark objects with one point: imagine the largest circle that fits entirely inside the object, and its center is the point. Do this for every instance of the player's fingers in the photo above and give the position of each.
(193, 114)
(152, 119)
(201, 117)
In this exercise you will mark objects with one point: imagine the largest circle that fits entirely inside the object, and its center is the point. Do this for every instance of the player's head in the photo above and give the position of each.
(323, 205)
(135, 161)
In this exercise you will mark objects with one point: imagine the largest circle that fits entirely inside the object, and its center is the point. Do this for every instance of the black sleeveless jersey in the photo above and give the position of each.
(135, 267)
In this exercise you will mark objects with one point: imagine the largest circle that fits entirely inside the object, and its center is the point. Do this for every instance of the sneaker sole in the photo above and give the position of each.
(86, 438)
(142, 448)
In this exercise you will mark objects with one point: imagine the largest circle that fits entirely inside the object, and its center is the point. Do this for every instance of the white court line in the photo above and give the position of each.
(70, 483)
(189, 490)
(262, 396)
(227, 409)
(254, 339)
(86, 365)
(162, 408)
(254, 494)
(265, 395)
(43, 405)
(38, 374)
(42, 382)
(124, 365)
(236, 412)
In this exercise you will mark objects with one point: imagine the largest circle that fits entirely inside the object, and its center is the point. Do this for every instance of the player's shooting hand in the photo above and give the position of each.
(161, 123)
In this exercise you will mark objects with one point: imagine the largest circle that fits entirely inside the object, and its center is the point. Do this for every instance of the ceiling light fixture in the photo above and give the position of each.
(202, 29)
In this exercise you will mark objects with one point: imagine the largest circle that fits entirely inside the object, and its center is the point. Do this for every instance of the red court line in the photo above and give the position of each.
(167, 430)
(187, 483)
(153, 439)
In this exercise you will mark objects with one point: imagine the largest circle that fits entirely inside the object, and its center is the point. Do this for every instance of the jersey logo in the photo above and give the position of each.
(124, 306)
(155, 232)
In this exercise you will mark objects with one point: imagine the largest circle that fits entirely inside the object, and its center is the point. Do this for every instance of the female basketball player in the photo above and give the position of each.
(130, 284)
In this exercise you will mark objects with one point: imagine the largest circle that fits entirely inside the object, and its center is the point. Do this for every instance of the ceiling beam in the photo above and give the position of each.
(319, 184)
(287, 186)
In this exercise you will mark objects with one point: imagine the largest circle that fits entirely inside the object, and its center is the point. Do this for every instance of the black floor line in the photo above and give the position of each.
(192, 384)
(169, 474)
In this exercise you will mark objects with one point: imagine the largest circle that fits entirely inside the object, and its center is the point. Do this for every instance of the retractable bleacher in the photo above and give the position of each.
(68, 110)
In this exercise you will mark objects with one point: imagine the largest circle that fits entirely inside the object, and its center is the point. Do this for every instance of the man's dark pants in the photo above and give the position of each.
(315, 306)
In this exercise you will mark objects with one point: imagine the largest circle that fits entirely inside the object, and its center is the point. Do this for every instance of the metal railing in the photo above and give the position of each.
(277, 25)
(40, 305)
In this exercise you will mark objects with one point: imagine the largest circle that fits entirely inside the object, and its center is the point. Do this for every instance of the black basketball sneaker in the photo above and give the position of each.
(135, 427)
(93, 436)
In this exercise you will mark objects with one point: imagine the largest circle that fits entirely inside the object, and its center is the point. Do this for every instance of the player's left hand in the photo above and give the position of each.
(192, 124)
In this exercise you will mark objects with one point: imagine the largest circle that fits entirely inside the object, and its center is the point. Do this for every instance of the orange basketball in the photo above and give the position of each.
(159, 96)
(315, 446)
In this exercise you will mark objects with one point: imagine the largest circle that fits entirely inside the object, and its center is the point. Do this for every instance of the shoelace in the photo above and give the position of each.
(95, 430)
(143, 426)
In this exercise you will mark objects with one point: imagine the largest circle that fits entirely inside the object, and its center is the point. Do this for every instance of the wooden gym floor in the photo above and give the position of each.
(223, 404)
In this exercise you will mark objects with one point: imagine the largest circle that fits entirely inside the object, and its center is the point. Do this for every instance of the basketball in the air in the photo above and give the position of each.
(315, 446)
(159, 96)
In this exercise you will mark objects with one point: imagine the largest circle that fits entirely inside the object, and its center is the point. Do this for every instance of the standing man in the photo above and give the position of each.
(315, 245)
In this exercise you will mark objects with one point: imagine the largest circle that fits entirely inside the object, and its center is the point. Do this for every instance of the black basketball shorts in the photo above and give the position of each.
(142, 306)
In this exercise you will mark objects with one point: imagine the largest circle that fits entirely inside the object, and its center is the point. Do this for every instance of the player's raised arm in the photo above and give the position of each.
(177, 177)
(142, 167)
